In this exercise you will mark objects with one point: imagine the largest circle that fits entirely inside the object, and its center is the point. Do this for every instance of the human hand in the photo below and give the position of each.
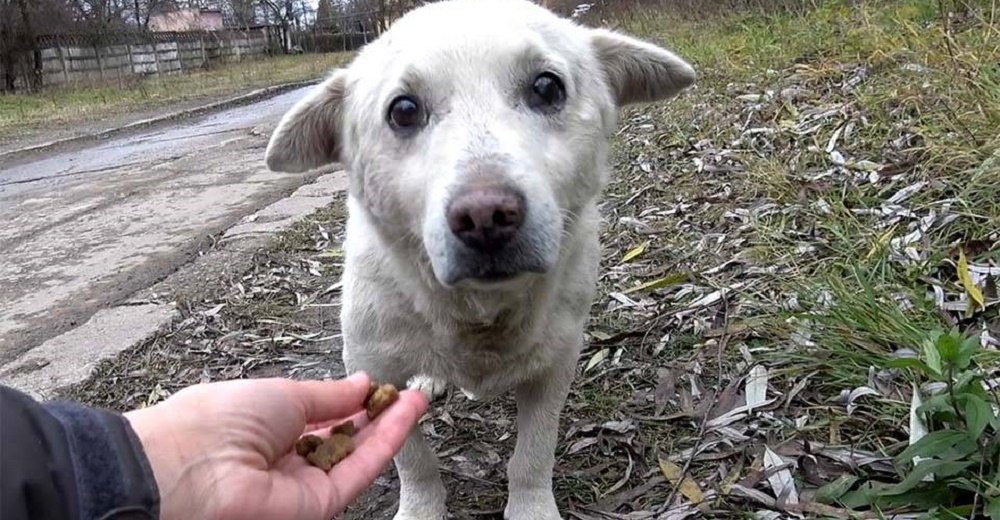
(226, 450)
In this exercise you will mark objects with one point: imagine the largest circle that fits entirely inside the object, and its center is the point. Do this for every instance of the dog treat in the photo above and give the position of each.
(346, 428)
(379, 398)
(325, 453)
(306, 444)
(333, 450)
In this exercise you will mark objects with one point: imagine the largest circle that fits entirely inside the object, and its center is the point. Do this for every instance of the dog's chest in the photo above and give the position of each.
(490, 360)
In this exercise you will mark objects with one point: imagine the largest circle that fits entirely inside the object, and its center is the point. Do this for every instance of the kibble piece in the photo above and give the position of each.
(307, 444)
(346, 428)
(379, 398)
(333, 450)
(344, 444)
(324, 454)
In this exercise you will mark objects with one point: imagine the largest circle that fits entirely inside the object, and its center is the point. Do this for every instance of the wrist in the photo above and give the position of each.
(166, 460)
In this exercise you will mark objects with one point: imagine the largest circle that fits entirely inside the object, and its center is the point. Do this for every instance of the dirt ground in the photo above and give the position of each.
(774, 238)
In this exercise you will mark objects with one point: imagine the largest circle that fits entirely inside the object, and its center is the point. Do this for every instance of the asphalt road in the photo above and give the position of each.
(83, 229)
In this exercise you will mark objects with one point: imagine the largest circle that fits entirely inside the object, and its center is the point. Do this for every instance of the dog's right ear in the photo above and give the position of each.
(308, 136)
(640, 72)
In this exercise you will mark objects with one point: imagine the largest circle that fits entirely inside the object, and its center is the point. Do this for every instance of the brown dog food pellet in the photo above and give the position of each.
(379, 398)
(346, 428)
(306, 444)
(333, 450)
(324, 454)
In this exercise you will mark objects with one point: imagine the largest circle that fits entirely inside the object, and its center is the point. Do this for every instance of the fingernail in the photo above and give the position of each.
(357, 377)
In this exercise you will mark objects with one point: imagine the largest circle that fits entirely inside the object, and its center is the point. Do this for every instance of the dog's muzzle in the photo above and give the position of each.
(490, 240)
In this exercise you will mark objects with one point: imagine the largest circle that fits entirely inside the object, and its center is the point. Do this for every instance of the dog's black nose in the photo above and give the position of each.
(486, 218)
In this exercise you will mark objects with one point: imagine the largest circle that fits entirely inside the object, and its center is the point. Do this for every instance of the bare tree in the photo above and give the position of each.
(141, 10)
(286, 13)
(240, 13)
(8, 54)
(100, 11)
(28, 36)
(325, 15)
(21, 22)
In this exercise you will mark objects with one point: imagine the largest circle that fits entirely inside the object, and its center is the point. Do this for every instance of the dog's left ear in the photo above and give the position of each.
(308, 136)
(640, 72)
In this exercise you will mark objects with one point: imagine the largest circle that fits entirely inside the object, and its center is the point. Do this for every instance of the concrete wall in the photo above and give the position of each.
(67, 63)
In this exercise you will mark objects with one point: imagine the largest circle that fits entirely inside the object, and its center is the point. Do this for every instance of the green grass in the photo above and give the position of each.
(66, 106)
(951, 106)
(925, 109)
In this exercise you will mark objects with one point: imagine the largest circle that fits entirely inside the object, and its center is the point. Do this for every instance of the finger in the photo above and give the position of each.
(379, 444)
(322, 429)
(375, 428)
(322, 401)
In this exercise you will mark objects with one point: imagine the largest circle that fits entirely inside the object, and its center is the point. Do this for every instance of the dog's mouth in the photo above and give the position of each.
(495, 277)
(496, 281)
(491, 271)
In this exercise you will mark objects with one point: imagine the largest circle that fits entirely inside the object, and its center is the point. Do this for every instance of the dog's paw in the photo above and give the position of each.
(531, 506)
(409, 516)
(531, 514)
(425, 501)
(431, 387)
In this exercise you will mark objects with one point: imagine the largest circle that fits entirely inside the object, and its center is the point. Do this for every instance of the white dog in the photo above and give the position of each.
(475, 134)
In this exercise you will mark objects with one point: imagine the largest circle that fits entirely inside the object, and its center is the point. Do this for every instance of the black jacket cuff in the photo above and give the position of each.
(66, 461)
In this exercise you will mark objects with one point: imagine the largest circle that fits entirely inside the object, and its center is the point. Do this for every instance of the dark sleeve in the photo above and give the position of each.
(63, 461)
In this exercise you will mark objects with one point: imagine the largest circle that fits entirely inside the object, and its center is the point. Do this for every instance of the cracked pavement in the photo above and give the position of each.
(86, 227)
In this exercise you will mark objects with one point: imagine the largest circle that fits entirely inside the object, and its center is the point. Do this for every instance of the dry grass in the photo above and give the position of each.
(774, 238)
(81, 104)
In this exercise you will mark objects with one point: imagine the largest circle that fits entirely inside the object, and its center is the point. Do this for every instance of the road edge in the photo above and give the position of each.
(71, 358)
(243, 99)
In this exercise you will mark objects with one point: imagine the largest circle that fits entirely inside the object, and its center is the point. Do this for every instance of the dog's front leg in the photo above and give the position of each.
(422, 494)
(529, 474)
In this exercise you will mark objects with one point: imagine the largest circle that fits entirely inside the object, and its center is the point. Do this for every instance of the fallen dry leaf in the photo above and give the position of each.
(687, 486)
(975, 294)
(659, 283)
(756, 387)
(635, 252)
(781, 480)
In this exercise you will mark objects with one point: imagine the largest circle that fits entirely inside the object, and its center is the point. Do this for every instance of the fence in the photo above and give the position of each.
(319, 41)
(341, 32)
(67, 60)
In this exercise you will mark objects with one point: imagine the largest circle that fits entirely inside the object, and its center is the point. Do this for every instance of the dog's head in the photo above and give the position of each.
(477, 129)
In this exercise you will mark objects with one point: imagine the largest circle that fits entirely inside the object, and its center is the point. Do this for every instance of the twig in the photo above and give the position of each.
(468, 477)
(723, 341)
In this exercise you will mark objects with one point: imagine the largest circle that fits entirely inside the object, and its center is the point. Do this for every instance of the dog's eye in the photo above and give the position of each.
(547, 93)
(404, 113)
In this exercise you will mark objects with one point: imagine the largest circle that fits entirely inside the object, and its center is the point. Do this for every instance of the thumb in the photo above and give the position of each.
(321, 401)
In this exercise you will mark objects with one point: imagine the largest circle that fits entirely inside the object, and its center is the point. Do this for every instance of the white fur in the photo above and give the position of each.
(470, 61)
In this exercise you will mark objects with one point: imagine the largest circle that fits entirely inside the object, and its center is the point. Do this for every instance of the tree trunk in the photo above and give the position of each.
(7, 56)
(286, 36)
(35, 82)
(381, 17)
(289, 21)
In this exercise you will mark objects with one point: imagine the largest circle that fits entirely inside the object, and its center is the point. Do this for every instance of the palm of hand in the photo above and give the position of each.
(225, 450)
